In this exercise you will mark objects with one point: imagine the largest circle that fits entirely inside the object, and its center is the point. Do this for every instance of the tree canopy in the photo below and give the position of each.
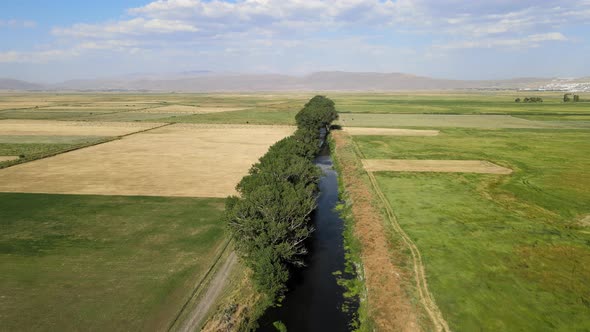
(270, 220)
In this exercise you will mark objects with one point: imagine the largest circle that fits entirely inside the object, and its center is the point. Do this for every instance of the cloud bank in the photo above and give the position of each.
(251, 29)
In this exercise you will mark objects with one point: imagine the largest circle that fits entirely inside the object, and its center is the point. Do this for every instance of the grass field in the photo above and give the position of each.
(191, 108)
(502, 252)
(457, 103)
(436, 121)
(102, 262)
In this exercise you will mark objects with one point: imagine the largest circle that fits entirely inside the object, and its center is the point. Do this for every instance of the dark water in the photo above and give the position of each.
(314, 300)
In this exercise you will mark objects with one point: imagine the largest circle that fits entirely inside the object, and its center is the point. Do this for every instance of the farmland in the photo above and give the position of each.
(110, 196)
(109, 218)
(176, 160)
(450, 102)
(73, 262)
(191, 108)
(506, 251)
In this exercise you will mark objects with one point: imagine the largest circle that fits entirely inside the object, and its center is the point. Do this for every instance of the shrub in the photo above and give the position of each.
(533, 100)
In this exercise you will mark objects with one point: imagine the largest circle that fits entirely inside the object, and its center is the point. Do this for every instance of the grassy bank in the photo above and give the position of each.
(386, 272)
(355, 287)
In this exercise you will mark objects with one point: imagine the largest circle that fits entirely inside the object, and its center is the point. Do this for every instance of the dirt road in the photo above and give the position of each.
(425, 296)
(214, 289)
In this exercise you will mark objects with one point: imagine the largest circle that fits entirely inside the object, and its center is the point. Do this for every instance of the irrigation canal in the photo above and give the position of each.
(314, 300)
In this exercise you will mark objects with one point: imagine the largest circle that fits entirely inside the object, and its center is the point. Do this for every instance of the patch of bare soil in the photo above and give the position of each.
(214, 289)
(584, 221)
(8, 158)
(445, 166)
(389, 304)
(389, 132)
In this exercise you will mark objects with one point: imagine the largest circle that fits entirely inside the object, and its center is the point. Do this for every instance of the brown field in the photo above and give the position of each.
(71, 128)
(389, 132)
(176, 160)
(445, 166)
(7, 158)
(192, 109)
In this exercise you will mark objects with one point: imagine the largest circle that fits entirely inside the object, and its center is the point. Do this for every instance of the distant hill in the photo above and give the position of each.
(11, 84)
(205, 81)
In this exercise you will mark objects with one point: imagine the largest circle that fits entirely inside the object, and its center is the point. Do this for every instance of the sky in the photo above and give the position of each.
(52, 41)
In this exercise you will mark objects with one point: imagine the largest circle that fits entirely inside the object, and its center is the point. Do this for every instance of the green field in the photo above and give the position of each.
(501, 252)
(259, 116)
(258, 108)
(457, 103)
(70, 262)
(453, 121)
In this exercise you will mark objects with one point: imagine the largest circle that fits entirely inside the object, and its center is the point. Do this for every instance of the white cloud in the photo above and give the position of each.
(18, 23)
(37, 56)
(136, 26)
(529, 41)
(550, 36)
(218, 26)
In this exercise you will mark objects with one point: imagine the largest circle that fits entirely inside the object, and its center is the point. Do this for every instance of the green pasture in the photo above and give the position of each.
(74, 262)
(449, 102)
(502, 252)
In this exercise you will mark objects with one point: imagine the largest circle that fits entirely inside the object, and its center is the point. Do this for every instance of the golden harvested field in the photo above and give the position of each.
(444, 166)
(71, 128)
(192, 109)
(389, 132)
(176, 160)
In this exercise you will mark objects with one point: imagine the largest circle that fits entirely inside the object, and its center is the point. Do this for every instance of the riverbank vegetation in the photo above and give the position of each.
(270, 220)
(388, 298)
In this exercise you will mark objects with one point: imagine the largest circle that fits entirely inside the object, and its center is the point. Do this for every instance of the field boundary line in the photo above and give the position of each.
(200, 284)
(107, 140)
(426, 297)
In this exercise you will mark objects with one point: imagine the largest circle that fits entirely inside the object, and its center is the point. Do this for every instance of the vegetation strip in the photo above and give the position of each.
(270, 220)
(389, 306)
(426, 297)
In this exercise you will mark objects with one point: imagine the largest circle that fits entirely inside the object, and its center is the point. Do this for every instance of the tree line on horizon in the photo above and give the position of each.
(270, 220)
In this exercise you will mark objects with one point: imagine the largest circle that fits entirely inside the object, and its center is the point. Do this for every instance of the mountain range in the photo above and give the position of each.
(205, 81)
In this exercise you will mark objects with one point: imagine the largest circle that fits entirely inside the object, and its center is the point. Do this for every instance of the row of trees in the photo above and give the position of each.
(270, 220)
(568, 98)
(529, 100)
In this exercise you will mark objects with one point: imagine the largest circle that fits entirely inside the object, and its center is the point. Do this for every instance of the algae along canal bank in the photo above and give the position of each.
(314, 300)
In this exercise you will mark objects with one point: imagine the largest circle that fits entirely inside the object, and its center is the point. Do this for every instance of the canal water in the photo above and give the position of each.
(314, 300)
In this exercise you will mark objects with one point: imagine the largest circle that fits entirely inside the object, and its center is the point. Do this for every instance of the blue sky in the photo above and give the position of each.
(51, 41)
